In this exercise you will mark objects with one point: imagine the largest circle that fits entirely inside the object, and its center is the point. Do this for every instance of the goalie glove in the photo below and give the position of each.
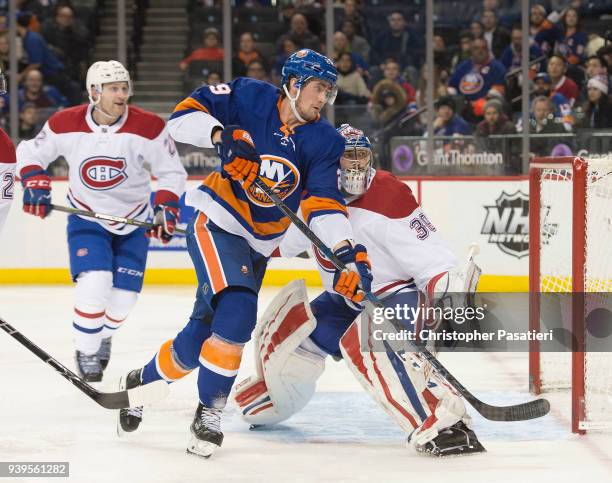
(356, 279)
(238, 156)
(36, 191)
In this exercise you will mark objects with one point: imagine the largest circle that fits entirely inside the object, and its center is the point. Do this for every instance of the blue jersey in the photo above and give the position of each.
(299, 164)
(475, 81)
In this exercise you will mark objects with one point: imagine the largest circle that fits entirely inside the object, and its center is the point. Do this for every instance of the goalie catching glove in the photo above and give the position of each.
(238, 156)
(356, 279)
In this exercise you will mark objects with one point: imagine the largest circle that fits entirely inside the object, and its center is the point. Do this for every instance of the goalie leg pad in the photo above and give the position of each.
(394, 382)
(287, 364)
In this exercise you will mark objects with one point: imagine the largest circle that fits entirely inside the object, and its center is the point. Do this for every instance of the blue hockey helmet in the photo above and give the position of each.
(306, 64)
(356, 170)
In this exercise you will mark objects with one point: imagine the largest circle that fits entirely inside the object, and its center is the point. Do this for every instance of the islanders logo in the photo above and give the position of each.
(471, 83)
(102, 173)
(280, 175)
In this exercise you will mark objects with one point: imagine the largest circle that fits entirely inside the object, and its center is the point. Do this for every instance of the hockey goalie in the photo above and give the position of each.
(413, 265)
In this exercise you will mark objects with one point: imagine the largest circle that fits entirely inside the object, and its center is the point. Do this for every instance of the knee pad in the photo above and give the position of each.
(235, 314)
(93, 291)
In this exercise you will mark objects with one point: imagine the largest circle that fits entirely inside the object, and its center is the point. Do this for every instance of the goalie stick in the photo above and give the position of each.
(102, 216)
(517, 412)
(138, 396)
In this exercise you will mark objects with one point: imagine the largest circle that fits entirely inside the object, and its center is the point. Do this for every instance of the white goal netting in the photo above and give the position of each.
(561, 209)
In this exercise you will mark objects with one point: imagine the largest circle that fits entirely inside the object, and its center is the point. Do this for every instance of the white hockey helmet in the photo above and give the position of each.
(104, 72)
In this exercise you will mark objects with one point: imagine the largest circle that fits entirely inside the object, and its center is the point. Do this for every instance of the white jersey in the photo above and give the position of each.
(107, 171)
(7, 175)
(403, 245)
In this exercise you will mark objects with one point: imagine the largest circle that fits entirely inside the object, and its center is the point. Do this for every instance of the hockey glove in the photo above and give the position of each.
(165, 216)
(353, 282)
(36, 191)
(238, 156)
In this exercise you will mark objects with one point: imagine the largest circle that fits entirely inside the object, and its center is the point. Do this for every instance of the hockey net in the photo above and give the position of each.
(571, 252)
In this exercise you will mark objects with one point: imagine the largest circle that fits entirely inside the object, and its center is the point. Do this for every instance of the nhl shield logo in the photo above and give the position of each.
(102, 173)
(507, 223)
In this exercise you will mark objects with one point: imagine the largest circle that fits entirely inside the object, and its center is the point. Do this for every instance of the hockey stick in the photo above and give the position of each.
(130, 398)
(517, 412)
(102, 216)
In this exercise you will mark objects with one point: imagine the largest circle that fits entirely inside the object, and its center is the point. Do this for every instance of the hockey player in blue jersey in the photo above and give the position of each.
(281, 137)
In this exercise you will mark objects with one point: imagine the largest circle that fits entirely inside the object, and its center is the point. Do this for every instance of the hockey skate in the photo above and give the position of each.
(89, 367)
(455, 440)
(104, 352)
(130, 418)
(206, 435)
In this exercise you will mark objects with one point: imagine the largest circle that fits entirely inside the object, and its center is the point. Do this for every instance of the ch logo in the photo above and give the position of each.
(103, 173)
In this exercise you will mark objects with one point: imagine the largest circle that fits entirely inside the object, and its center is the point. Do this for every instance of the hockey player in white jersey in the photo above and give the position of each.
(7, 166)
(106, 144)
(412, 265)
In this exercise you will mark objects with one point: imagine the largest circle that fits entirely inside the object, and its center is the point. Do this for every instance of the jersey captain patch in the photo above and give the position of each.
(102, 173)
(279, 174)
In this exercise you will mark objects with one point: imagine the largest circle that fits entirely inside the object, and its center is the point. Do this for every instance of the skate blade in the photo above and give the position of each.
(203, 449)
(452, 452)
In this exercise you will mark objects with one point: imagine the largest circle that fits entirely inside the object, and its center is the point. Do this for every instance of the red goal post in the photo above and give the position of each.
(570, 251)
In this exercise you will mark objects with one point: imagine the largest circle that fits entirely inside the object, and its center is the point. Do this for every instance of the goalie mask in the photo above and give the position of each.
(356, 170)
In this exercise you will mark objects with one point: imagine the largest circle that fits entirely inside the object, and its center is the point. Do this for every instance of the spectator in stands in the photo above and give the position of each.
(511, 56)
(211, 49)
(341, 45)
(247, 53)
(41, 57)
(477, 79)
(300, 34)
(398, 41)
(441, 53)
(357, 43)
(5, 60)
(572, 45)
(257, 70)
(70, 37)
(597, 109)
(35, 92)
(542, 31)
(391, 71)
(446, 122)
(494, 122)
(595, 65)
(352, 89)
(562, 108)
(289, 46)
(477, 29)
(497, 37)
(213, 78)
(353, 14)
(566, 86)
(388, 101)
(465, 48)
(28, 120)
(440, 84)
(543, 122)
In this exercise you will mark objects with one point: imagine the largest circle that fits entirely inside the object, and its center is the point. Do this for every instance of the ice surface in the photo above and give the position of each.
(340, 436)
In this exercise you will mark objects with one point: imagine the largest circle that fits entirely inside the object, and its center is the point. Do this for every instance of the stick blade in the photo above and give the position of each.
(520, 412)
(148, 393)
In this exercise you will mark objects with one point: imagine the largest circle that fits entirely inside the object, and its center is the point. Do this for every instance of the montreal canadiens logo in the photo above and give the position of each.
(324, 262)
(103, 173)
(279, 174)
(471, 83)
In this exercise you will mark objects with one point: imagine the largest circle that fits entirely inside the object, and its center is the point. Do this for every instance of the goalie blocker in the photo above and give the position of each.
(289, 359)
